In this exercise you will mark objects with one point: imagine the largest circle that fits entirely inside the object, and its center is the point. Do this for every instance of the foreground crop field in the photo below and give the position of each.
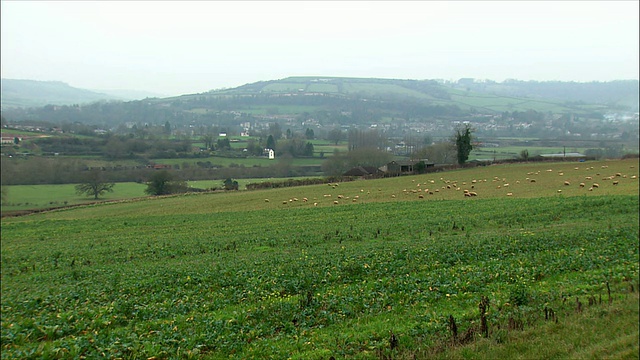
(235, 275)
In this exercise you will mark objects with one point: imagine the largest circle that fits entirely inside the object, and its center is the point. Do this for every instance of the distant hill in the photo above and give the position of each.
(32, 93)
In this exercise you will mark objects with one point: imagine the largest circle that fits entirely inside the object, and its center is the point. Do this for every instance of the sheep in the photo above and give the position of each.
(533, 180)
(285, 202)
(561, 174)
(559, 190)
(420, 196)
(505, 185)
(335, 202)
(305, 199)
(509, 194)
(581, 185)
(595, 185)
(566, 183)
(295, 199)
(471, 193)
(591, 188)
(327, 195)
(266, 200)
(588, 178)
(393, 196)
(354, 200)
(315, 204)
(634, 177)
(615, 182)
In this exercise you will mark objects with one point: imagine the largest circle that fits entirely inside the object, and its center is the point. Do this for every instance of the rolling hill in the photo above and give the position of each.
(31, 93)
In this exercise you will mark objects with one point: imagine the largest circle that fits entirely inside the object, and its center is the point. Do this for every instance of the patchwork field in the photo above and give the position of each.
(363, 269)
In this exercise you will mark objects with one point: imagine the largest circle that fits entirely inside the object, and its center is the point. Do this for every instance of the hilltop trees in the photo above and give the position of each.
(94, 184)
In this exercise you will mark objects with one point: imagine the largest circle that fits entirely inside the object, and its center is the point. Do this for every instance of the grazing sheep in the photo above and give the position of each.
(533, 180)
(315, 204)
(505, 185)
(509, 194)
(285, 202)
(591, 188)
(420, 196)
(335, 202)
(354, 200)
(566, 183)
(581, 185)
(559, 190)
(266, 200)
(588, 178)
(467, 194)
(634, 177)
(295, 199)
(305, 199)
(615, 182)
(560, 174)
(471, 193)
(393, 196)
(595, 185)
(327, 195)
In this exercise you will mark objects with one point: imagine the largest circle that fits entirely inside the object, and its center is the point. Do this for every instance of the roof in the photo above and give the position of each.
(362, 171)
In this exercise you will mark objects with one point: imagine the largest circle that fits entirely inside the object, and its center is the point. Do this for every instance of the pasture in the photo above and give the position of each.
(266, 274)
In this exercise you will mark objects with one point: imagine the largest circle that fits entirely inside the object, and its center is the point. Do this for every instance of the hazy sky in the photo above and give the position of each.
(172, 47)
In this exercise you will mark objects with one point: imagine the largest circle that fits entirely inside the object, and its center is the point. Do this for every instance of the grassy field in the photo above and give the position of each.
(266, 274)
(23, 197)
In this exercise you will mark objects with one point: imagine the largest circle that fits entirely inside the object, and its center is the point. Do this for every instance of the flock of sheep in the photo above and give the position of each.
(474, 187)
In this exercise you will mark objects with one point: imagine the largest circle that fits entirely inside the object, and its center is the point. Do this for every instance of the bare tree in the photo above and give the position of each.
(94, 184)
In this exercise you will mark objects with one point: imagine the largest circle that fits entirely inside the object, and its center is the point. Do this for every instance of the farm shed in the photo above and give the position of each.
(404, 167)
(362, 171)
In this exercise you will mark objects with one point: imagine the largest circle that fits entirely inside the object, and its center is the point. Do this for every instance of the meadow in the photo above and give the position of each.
(335, 270)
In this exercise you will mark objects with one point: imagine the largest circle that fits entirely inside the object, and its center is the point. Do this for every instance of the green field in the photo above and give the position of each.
(266, 274)
(24, 197)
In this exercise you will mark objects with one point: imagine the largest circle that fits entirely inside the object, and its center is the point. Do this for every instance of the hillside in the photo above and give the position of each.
(538, 274)
(31, 93)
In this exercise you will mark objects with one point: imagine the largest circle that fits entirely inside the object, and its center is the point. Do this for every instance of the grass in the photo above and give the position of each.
(24, 197)
(230, 275)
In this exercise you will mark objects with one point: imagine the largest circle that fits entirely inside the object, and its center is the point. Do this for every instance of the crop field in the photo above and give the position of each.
(332, 270)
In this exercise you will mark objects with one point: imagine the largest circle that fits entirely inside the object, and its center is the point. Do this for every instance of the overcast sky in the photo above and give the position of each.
(172, 47)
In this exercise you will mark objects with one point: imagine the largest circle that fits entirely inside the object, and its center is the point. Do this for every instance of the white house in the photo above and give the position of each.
(270, 153)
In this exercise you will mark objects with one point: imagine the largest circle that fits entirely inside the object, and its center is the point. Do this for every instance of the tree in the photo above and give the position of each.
(309, 134)
(335, 135)
(462, 139)
(271, 142)
(164, 183)
(230, 184)
(94, 184)
(524, 154)
(308, 149)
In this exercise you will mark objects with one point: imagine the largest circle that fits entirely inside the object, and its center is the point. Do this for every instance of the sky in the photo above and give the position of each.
(183, 47)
